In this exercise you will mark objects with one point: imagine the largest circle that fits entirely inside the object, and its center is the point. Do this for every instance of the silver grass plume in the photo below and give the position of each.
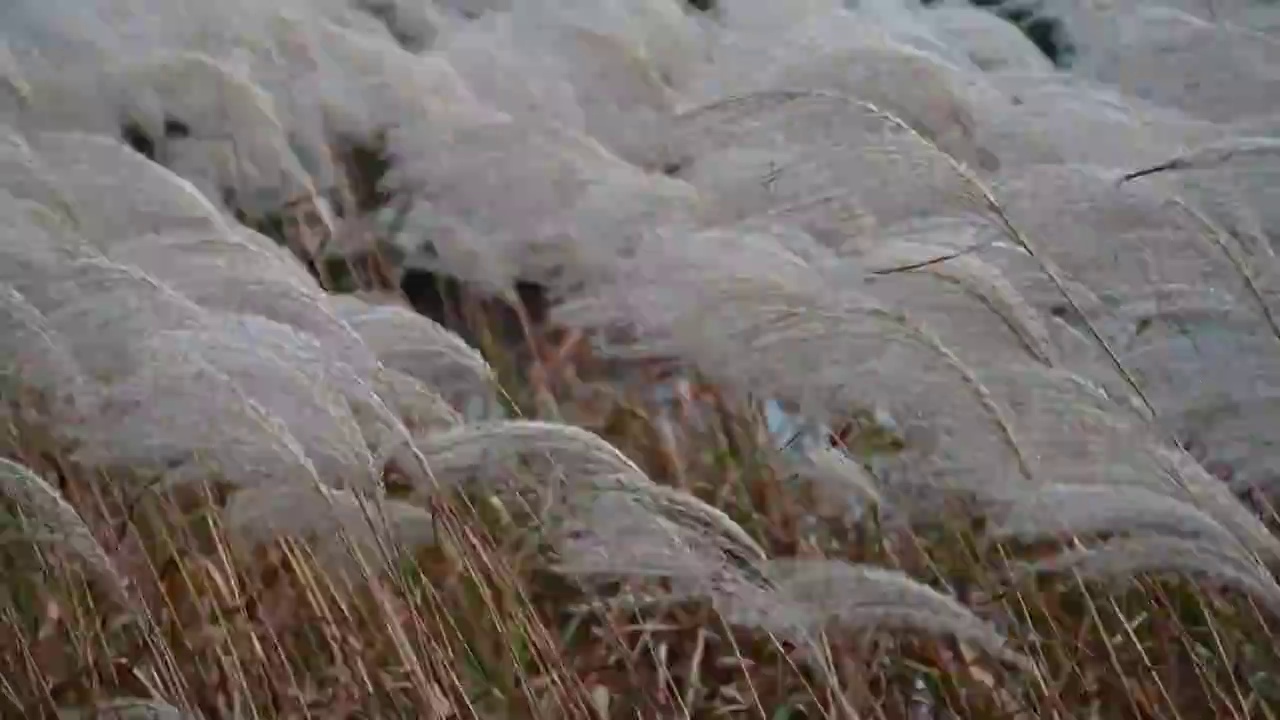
(345, 530)
(602, 516)
(1111, 240)
(891, 176)
(808, 595)
(105, 310)
(234, 139)
(783, 330)
(844, 487)
(1210, 69)
(933, 102)
(32, 356)
(1038, 118)
(182, 256)
(985, 39)
(794, 600)
(573, 469)
(578, 454)
(1229, 184)
(1220, 430)
(506, 75)
(420, 347)
(1082, 438)
(117, 194)
(414, 25)
(1071, 510)
(687, 511)
(14, 90)
(315, 412)
(619, 89)
(344, 370)
(217, 274)
(1215, 498)
(613, 537)
(279, 254)
(758, 310)
(772, 118)
(967, 276)
(1117, 561)
(661, 32)
(1219, 411)
(423, 410)
(504, 181)
(392, 85)
(22, 175)
(1213, 155)
(581, 244)
(1167, 310)
(185, 423)
(36, 247)
(437, 242)
(49, 521)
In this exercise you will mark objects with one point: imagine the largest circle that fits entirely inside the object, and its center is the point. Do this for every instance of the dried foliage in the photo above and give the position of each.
(786, 359)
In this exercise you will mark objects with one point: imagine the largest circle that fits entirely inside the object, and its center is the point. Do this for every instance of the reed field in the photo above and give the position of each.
(639, 359)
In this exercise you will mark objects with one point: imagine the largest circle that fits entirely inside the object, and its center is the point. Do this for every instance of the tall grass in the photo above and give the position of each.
(629, 359)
